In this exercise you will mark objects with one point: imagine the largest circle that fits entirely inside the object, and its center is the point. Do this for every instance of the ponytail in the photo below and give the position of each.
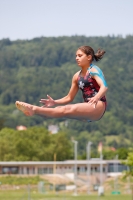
(99, 54)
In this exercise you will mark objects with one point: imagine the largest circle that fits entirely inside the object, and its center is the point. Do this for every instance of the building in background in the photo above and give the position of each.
(53, 129)
(21, 128)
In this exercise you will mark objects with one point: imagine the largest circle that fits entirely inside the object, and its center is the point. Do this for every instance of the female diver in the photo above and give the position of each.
(90, 80)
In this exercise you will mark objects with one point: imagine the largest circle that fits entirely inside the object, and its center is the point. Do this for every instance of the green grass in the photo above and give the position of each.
(20, 180)
(24, 195)
(26, 188)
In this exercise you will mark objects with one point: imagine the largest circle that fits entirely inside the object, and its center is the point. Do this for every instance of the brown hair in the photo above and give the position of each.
(89, 51)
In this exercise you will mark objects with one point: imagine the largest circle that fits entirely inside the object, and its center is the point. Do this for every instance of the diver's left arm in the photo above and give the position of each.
(103, 88)
(99, 77)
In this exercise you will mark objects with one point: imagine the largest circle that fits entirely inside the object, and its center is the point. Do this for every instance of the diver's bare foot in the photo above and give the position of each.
(26, 108)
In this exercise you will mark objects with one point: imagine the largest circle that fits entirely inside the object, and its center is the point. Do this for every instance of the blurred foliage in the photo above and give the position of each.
(38, 144)
(33, 144)
(129, 163)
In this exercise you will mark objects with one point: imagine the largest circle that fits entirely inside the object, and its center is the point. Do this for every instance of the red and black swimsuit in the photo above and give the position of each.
(88, 86)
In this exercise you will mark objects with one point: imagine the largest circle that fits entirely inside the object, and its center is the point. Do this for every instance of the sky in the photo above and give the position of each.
(28, 19)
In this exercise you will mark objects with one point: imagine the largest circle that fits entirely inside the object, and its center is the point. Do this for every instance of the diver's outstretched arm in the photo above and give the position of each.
(65, 100)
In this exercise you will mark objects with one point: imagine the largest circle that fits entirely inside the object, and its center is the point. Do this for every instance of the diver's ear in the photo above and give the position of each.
(89, 57)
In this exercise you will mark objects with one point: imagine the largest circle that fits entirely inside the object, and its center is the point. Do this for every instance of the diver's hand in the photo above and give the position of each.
(93, 101)
(47, 102)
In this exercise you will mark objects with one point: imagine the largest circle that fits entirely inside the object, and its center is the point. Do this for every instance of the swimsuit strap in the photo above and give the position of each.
(91, 65)
(99, 73)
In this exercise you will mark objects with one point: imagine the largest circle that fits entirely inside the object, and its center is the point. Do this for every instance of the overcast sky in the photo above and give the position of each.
(27, 19)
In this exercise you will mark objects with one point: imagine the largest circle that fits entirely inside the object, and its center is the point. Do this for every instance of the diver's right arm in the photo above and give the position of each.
(65, 100)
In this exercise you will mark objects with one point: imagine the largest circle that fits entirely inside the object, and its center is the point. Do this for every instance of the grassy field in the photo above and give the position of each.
(23, 188)
(25, 195)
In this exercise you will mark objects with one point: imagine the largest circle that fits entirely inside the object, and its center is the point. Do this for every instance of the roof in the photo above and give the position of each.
(67, 162)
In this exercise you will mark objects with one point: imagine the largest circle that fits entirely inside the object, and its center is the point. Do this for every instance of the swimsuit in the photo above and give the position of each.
(89, 86)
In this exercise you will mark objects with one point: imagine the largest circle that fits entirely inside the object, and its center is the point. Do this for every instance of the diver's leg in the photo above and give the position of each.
(79, 110)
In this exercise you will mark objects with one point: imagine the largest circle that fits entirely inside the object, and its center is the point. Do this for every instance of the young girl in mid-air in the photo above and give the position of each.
(90, 80)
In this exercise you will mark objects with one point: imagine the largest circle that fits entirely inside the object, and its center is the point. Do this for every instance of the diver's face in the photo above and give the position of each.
(82, 59)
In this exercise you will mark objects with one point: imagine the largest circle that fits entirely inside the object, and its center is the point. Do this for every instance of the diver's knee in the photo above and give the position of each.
(61, 110)
(68, 109)
(64, 110)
